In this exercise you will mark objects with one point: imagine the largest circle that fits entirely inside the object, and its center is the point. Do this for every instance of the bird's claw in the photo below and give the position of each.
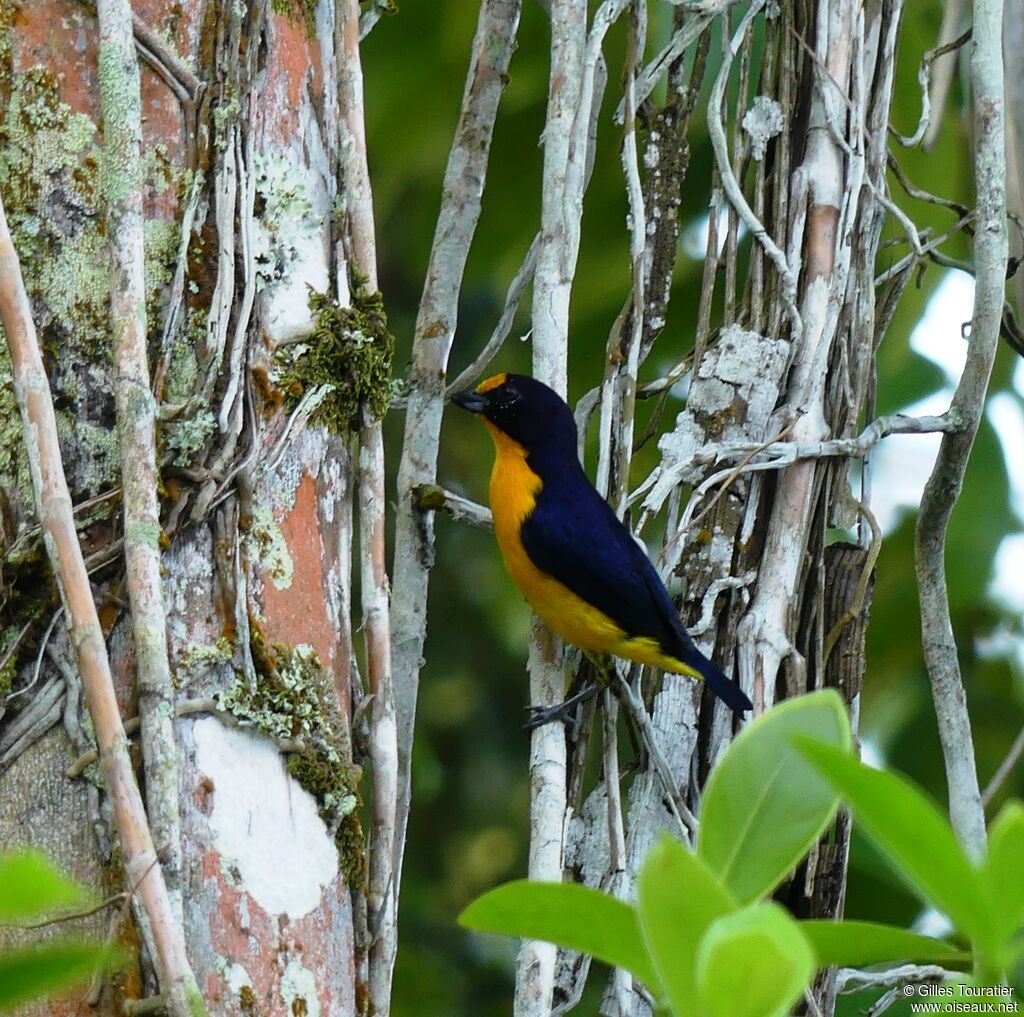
(564, 713)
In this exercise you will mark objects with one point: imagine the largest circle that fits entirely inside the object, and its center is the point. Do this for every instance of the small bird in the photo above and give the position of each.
(579, 568)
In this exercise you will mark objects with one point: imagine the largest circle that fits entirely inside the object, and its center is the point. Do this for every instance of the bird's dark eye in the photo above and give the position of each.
(510, 396)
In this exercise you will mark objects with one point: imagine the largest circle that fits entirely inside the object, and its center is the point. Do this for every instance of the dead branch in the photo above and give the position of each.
(991, 251)
(53, 504)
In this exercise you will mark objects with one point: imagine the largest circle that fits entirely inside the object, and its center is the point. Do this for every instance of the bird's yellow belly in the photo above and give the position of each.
(513, 495)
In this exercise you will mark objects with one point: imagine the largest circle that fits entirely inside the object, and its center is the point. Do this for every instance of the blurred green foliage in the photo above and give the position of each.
(31, 889)
(468, 828)
(736, 952)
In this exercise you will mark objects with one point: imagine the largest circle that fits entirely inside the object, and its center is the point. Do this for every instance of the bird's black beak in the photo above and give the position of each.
(470, 400)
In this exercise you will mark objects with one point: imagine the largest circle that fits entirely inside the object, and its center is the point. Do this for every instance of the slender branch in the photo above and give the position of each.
(652, 72)
(854, 979)
(566, 128)
(430, 497)
(382, 889)
(121, 105)
(436, 321)
(152, 47)
(860, 595)
(954, 9)
(939, 89)
(520, 281)
(944, 484)
(1006, 767)
(685, 818)
(53, 504)
(187, 708)
(618, 881)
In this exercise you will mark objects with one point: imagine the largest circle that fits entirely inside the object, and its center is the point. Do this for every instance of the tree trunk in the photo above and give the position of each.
(241, 158)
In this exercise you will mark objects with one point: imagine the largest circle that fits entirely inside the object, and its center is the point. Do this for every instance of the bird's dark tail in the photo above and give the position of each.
(727, 690)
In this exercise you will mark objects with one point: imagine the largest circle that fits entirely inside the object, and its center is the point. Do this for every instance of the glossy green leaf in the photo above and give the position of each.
(32, 972)
(570, 915)
(752, 963)
(31, 885)
(1004, 870)
(854, 944)
(764, 804)
(914, 836)
(678, 897)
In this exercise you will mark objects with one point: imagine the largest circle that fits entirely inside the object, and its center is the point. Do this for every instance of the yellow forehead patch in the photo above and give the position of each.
(488, 383)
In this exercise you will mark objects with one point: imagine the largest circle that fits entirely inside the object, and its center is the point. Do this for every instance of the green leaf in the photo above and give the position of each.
(1004, 870)
(764, 804)
(31, 972)
(569, 915)
(854, 944)
(31, 885)
(678, 897)
(913, 834)
(752, 963)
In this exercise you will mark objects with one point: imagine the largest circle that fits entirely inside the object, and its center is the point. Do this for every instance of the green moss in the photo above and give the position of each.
(294, 698)
(295, 9)
(56, 179)
(48, 159)
(183, 365)
(350, 353)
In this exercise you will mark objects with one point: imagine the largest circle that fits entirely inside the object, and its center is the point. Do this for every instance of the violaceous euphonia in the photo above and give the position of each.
(579, 568)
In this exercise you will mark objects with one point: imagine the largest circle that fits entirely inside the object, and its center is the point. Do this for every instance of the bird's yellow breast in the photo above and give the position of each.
(514, 491)
(513, 494)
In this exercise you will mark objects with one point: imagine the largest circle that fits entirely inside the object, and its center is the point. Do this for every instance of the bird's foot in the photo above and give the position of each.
(564, 713)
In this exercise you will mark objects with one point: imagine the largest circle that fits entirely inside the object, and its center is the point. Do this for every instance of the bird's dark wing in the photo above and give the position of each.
(573, 536)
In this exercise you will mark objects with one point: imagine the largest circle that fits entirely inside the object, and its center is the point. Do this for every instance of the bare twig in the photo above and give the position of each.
(686, 819)
(431, 498)
(53, 503)
(946, 480)
(730, 184)
(516, 289)
(187, 708)
(946, 68)
(927, 127)
(1011, 759)
(854, 979)
(121, 104)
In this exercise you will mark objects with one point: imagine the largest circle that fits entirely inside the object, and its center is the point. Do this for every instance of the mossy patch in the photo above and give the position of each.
(350, 353)
(294, 698)
(55, 179)
(296, 9)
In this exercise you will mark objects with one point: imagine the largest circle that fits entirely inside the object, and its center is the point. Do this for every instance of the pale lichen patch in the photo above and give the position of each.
(269, 548)
(298, 990)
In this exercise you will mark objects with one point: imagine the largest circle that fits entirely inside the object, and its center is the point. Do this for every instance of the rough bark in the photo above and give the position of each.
(255, 552)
